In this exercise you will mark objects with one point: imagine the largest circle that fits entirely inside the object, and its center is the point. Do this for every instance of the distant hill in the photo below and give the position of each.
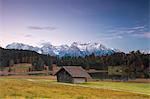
(9, 57)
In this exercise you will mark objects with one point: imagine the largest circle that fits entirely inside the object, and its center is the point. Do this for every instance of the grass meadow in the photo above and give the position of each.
(46, 87)
(142, 88)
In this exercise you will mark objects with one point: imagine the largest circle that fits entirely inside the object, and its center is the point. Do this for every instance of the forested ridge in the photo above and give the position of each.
(136, 61)
(9, 57)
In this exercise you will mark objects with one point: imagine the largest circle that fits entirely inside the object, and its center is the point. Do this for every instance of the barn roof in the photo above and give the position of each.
(76, 71)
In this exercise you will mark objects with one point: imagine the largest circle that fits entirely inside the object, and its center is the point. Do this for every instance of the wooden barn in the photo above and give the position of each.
(98, 74)
(72, 74)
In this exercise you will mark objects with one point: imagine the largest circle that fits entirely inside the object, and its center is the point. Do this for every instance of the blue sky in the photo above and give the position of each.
(121, 24)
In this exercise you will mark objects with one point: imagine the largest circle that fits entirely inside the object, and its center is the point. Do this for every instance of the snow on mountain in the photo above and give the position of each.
(22, 46)
(75, 49)
(116, 50)
(47, 48)
(61, 50)
(145, 51)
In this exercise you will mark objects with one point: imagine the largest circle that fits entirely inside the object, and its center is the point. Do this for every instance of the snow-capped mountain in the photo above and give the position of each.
(47, 48)
(23, 47)
(75, 49)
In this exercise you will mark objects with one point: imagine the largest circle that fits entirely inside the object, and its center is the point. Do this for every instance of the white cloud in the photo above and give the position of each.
(137, 31)
(139, 27)
(144, 35)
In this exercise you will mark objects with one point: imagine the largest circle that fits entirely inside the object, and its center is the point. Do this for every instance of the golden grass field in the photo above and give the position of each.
(46, 87)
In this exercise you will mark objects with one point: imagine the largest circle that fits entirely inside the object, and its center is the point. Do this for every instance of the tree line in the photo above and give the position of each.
(9, 57)
(137, 62)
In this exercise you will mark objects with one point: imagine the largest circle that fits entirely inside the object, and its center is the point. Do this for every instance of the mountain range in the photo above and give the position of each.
(75, 49)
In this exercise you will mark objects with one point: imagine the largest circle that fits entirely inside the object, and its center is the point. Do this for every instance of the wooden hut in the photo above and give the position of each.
(98, 74)
(72, 74)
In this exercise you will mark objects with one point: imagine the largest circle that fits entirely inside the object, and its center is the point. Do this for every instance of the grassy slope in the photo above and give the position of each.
(22, 67)
(44, 88)
(125, 86)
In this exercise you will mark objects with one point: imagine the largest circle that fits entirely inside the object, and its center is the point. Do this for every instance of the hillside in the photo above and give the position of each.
(19, 68)
(9, 57)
